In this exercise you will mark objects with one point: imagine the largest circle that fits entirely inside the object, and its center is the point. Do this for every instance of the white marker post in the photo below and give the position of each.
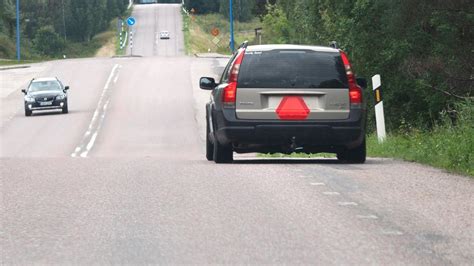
(379, 115)
(131, 42)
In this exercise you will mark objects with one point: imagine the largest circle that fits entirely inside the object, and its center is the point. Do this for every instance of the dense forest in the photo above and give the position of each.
(48, 26)
(422, 48)
(243, 10)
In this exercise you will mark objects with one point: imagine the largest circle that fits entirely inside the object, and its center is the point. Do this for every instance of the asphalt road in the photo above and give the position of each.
(122, 179)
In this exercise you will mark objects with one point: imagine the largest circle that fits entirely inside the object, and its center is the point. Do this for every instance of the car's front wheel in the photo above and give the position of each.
(28, 112)
(65, 109)
(356, 155)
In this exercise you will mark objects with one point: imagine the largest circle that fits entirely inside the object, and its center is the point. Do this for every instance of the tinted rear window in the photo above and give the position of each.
(292, 69)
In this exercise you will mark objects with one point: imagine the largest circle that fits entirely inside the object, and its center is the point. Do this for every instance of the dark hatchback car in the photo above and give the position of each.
(45, 94)
(284, 99)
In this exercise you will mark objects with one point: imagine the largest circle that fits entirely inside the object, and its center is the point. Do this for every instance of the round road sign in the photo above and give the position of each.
(215, 32)
(131, 21)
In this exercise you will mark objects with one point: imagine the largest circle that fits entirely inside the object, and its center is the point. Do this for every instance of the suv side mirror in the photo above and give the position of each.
(24, 91)
(206, 83)
(362, 82)
(66, 88)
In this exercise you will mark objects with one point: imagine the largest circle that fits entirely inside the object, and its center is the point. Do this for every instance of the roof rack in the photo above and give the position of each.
(244, 44)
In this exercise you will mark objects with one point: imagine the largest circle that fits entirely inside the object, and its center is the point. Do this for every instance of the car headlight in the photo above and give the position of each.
(61, 97)
(29, 99)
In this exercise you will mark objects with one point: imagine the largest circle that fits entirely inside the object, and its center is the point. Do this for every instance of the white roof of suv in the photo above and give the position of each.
(269, 47)
(45, 79)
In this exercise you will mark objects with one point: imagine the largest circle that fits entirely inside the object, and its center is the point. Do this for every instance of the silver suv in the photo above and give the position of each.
(285, 99)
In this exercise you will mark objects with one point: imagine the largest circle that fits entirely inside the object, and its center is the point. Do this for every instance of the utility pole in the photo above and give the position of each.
(64, 22)
(231, 15)
(18, 52)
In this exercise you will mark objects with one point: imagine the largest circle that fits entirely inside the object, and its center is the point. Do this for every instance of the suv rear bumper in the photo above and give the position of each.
(328, 135)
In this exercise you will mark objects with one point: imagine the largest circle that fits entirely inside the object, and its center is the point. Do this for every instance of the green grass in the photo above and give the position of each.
(447, 146)
(21, 62)
(186, 33)
(298, 155)
(88, 49)
(198, 37)
(123, 51)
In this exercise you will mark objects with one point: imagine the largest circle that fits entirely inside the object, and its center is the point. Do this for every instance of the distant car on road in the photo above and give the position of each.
(285, 99)
(45, 94)
(164, 34)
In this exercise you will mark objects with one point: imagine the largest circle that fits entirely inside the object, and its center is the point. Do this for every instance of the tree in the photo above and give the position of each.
(202, 6)
(243, 10)
(48, 42)
(7, 17)
(420, 47)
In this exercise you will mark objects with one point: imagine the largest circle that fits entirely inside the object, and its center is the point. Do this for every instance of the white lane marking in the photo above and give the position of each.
(94, 137)
(95, 123)
(89, 145)
(105, 107)
(368, 217)
(331, 193)
(116, 78)
(347, 203)
(317, 184)
(392, 233)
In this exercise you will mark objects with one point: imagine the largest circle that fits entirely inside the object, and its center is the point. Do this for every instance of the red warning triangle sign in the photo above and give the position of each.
(292, 108)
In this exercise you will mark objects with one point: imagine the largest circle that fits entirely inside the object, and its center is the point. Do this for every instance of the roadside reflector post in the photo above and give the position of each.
(131, 42)
(379, 114)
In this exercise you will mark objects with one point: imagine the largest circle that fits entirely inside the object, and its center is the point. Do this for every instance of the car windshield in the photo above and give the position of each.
(45, 86)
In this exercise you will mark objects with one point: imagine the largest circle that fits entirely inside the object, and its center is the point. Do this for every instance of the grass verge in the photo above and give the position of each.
(298, 155)
(198, 38)
(21, 62)
(118, 50)
(88, 49)
(448, 146)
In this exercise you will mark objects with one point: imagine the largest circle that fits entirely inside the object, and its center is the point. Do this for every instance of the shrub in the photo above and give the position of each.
(48, 42)
(7, 47)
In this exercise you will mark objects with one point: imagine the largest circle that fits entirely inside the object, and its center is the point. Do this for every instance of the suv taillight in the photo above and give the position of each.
(355, 92)
(230, 92)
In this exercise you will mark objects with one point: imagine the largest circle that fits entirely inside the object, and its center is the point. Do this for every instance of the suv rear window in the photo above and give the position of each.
(292, 69)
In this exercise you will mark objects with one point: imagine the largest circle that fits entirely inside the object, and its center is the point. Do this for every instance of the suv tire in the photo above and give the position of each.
(209, 145)
(356, 155)
(222, 154)
(65, 109)
(28, 112)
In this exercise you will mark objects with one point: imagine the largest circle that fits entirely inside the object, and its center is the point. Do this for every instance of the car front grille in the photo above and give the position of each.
(45, 99)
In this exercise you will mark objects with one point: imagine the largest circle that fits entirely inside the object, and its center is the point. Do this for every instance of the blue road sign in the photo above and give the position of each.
(131, 21)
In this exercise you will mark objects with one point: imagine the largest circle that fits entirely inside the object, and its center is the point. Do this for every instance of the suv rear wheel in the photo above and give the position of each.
(209, 145)
(222, 154)
(355, 155)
